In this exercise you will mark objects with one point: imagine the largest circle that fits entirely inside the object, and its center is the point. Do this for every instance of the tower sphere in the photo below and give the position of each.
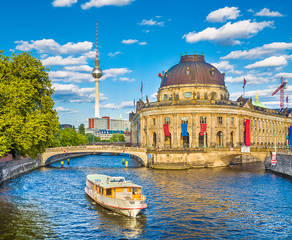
(96, 73)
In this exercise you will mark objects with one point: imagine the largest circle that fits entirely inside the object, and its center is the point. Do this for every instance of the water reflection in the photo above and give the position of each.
(118, 224)
(216, 203)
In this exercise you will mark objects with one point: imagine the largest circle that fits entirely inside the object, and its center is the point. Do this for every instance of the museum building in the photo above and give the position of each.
(193, 110)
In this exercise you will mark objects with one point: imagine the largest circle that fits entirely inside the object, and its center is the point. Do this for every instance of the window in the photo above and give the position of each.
(206, 96)
(165, 96)
(188, 71)
(177, 96)
(198, 95)
(153, 121)
(219, 120)
(212, 71)
(108, 191)
(203, 120)
(167, 120)
(134, 190)
(232, 120)
(222, 97)
(184, 120)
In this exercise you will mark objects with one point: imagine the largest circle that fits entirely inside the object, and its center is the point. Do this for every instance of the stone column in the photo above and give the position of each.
(227, 136)
(178, 129)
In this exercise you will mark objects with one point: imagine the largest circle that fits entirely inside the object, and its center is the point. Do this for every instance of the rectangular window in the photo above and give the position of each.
(108, 191)
(203, 120)
(165, 96)
(153, 121)
(219, 120)
(232, 120)
(167, 120)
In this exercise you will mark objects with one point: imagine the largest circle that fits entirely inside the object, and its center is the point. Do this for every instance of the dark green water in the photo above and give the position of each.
(222, 203)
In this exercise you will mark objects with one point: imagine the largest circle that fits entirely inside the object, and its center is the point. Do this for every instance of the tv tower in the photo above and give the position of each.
(97, 74)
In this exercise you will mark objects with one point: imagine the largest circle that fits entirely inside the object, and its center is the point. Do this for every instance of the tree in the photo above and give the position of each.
(81, 129)
(68, 137)
(27, 119)
(117, 138)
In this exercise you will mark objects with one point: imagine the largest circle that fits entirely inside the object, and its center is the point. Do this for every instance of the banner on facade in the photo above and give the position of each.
(274, 158)
(203, 129)
(166, 130)
(247, 132)
(290, 136)
(184, 130)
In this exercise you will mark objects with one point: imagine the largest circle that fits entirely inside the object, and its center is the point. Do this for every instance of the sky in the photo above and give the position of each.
(140, 38)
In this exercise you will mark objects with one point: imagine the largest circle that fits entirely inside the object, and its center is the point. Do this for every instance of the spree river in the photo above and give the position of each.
(234, 203)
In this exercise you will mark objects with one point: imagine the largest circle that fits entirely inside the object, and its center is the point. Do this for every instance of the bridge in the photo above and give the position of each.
(163, 158)
(56, 154)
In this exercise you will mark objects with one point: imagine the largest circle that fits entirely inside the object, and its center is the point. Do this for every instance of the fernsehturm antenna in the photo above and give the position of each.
(97, 74)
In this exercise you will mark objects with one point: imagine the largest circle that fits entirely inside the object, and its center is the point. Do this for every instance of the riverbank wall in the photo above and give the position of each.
(13, 168)
(283, 165)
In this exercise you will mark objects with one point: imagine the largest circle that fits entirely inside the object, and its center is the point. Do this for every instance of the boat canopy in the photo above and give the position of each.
(110, 182)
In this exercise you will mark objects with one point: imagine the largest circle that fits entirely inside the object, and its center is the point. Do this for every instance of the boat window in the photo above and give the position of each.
(134, 190)
(109, 191)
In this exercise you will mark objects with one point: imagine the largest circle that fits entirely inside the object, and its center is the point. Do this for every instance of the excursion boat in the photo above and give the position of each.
(116, 194)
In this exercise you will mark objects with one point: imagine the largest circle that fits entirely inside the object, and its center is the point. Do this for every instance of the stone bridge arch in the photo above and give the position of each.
(56, 154)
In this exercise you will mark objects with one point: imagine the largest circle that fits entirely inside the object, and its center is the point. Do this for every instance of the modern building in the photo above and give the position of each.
(193, 111)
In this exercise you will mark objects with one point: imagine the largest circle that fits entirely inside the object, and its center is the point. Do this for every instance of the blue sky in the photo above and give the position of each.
(138, 39)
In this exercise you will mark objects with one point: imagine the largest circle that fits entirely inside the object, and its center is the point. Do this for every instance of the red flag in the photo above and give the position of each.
(244, 83)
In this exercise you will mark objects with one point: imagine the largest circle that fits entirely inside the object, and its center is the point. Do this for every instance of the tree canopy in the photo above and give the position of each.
(68, 137)
(28, 121)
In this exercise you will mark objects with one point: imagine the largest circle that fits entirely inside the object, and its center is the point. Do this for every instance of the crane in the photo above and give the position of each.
(281, 89)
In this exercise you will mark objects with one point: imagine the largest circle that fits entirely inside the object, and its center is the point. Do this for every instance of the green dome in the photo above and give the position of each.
(257, 103)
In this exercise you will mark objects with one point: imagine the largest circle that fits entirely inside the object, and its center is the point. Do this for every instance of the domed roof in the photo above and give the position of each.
(192, 69)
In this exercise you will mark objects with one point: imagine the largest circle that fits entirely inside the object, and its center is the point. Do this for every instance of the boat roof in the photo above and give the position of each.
(110, 182)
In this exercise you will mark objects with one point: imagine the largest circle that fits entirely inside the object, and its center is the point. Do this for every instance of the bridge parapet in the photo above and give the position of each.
(140, 153)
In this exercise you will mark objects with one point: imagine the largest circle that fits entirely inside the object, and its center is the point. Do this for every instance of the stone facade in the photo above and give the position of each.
(207, 103)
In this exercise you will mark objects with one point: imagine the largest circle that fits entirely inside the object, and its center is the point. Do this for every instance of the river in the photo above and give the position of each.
(223, 203)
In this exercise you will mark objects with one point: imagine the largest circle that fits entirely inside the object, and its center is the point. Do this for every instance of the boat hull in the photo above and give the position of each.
(127, 208)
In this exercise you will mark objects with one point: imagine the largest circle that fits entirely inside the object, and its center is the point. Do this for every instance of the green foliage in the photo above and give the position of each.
(117, 138)
(91, 138)
(81, 129)
(27, 119)
(68, 137)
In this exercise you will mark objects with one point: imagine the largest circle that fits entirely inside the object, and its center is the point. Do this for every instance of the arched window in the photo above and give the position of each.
(198, 95)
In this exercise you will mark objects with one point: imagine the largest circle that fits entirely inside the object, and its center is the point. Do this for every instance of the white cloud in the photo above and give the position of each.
(130, 41)
(72, 93)
(284, 75)
(81, 68)
(252, 79)
(58, 60)
(102, 3)
(260, 92)
(65, 110)
(266, 49)
(69, 76)
(114, 73)
(124, 104)
(151, 22)
(223, 14)
(133, 41)
(126, 79)
(269, 62)
(153, 96)
(64, 3)
(265, 12)
(228, 33)
(226, 66)
(113, 54)
(51, 46)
